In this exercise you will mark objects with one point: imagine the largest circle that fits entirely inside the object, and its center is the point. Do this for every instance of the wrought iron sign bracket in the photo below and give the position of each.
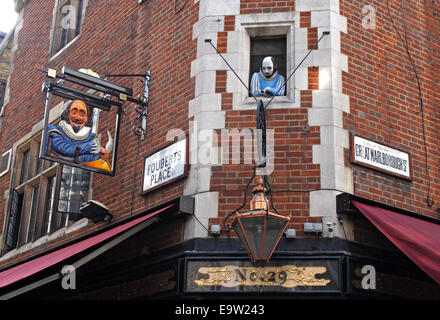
(76, 141)
(108, 89)
(140, 123)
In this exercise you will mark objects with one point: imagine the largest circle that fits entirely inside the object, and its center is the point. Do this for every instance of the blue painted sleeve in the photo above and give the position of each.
(255, 86)
(66, 148)
(281, 86)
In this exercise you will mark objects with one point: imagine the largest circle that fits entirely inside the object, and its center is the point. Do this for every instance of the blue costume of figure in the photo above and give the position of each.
(66, 147)
(273, 86)
(267, 82)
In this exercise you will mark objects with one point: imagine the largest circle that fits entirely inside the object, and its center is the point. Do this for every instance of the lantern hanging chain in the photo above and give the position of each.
(269, 189)
(429, 199)
(266, 181)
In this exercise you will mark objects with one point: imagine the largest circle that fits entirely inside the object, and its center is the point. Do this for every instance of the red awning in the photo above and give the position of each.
(416, 238)
(33, 266)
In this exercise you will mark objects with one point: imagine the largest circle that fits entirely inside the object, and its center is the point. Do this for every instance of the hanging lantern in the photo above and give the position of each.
(260, 230)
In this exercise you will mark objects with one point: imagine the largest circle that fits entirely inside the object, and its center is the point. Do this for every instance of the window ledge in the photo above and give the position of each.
(57, 234)
(279, 102)
(59, 53)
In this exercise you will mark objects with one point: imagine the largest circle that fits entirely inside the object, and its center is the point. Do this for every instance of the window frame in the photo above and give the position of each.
(26, 189)
(257, 26)
(257, 67)
(55, 48)
(32, 142)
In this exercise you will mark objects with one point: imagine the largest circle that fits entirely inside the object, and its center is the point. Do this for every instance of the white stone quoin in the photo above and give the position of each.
(329, 103)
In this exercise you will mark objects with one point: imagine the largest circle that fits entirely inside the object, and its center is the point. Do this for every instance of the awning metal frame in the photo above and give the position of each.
(102, 249)
(344, 205)
(183, 205)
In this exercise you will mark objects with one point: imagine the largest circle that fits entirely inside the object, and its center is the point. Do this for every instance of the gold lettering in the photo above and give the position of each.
(287, 276)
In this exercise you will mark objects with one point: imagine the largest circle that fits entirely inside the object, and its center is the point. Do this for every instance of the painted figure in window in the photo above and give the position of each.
(267, 82)
(74, 140)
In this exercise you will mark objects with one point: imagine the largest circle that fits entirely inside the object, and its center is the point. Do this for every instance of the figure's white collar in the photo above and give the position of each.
(270, 78)
(82, 134)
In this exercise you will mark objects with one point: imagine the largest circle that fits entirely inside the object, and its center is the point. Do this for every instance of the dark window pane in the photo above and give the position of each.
(14, 219)
(25, 166)
(79, 17)
(75, 184)
(33, 214)
(268, 46)
(48, 205)
(64, 38)
(68, 23)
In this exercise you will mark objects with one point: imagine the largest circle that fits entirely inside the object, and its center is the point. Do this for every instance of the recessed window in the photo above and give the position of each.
(270, 34)
(67, 23)
(46, 196)
(262, 47)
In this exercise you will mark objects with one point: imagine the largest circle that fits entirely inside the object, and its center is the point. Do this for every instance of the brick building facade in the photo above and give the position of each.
(361, 80)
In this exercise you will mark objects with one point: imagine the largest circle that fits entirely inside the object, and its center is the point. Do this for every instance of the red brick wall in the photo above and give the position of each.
(265, 6)
(380, 83)
(116, 38)
(384, 99)
(294, 173)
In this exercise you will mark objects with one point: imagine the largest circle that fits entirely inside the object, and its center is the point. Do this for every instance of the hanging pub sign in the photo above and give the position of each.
(165, 166)
(380, 157)
(86, 132)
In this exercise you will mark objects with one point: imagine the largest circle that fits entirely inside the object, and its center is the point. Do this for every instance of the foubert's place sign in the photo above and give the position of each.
(380, 157)
(165, 166)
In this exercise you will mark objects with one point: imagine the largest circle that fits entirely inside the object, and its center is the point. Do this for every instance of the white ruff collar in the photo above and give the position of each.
(82, 134)
(271, 77)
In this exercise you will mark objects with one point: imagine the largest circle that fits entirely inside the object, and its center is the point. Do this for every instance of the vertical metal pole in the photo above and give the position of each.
(46, 120)
(116, 138)
(146, 97)
(261, 134)
(95, 125)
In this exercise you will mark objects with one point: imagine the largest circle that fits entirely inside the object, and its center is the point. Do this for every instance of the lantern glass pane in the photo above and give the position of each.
(240, 235)
(274, 231)
(254, 231)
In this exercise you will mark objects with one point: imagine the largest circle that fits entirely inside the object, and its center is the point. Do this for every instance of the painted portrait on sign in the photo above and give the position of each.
(75, 138)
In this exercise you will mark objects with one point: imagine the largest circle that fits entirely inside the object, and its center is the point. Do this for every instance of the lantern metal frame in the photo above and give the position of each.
(237, 224)
(264, 255)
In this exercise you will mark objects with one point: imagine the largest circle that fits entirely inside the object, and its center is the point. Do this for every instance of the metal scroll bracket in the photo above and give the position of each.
(140, 123)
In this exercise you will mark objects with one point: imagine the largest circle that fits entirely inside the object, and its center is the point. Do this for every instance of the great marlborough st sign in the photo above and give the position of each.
(165, 166)
(380, 157)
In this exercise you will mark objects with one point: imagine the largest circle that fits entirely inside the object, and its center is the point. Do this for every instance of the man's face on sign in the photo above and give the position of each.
(78, 115)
